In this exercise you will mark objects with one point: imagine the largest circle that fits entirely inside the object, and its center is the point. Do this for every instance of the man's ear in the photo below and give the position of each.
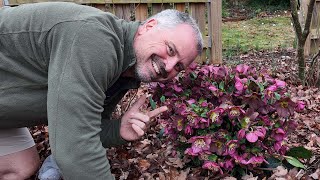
(148, 26)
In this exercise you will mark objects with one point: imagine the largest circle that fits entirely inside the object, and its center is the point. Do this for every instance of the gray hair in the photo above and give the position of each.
(170, 18)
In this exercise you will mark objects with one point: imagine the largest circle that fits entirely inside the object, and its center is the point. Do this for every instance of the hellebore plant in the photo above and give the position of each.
(224, 117)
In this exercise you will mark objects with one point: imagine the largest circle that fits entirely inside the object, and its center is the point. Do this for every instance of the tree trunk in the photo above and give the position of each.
(301, 33)
(301, 61)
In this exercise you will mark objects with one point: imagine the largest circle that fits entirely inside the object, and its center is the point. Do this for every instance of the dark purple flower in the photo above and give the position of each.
(227, 164)
(179, 122)
(285, 107)
(253, 100)
(278, 134)
(218, 146)
(265, 120)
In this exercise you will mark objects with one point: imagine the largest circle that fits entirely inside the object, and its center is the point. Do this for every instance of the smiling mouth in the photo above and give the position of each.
(155, 67)
(158, 66)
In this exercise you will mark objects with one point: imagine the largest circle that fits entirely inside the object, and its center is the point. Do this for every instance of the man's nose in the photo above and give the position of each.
(170, 65)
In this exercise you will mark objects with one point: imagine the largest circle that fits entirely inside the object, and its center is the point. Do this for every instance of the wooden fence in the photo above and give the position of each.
(313, 41)
(207, 13)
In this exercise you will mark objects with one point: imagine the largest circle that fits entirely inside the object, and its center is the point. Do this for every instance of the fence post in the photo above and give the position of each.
(216, 31)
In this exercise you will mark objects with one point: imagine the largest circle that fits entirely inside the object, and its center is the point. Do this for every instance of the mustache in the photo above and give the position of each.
(160, 64)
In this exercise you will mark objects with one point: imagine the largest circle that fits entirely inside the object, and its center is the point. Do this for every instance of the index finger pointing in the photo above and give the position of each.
(157, 111)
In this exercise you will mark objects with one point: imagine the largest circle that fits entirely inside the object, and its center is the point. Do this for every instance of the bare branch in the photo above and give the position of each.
(295, 19)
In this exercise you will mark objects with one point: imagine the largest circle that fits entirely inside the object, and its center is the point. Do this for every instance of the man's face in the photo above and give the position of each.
(163, 53)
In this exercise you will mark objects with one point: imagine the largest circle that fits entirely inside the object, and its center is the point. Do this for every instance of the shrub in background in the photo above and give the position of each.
(223, 117)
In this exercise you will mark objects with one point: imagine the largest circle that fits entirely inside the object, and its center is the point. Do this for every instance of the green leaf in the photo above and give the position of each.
(221, 85)
(299, 152)
(152, 103)
(261, 87)
(277, 96)
(163, 99)
(273, 162)
(213, 157)
(244, 122)
(204, 114)
(293, 161)
(193, 76)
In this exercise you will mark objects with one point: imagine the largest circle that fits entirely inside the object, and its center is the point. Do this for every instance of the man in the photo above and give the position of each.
(68, 65)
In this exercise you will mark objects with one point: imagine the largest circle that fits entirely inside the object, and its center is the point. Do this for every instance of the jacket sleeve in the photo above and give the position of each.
(83, 61)
(109, 136)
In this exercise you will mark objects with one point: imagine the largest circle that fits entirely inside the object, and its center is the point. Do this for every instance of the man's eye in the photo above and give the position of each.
(171, 51)
(179, 67)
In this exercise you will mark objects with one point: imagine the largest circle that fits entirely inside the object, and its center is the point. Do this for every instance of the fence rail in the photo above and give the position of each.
(313, 41)
(208, 15)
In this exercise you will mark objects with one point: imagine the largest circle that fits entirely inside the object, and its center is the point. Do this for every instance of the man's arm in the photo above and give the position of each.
(78, 77)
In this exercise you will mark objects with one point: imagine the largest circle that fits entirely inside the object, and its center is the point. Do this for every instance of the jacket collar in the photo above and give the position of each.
(129, 29)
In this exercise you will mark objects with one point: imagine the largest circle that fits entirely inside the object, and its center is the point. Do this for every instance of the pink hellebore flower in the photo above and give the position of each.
(188, 130)
(214, 115)
(212, 166)
(235, 112)
(242, 68)
(272, 88)
(179, 123)
(177, 88)
(232, 147)
(255, 160)
(252, 137)
(239, 85)
(277, 146)
(241, 134)
(213, 88)
(300, 106)
(200, 144)
(280, 83)
(191, 101)
(189, 151)
(204, 104)
(261, 132)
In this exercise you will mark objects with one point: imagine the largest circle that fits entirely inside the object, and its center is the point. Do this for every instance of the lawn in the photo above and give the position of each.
(257, 34)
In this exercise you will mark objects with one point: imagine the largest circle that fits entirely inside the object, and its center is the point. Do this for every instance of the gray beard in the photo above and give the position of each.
(143, 77)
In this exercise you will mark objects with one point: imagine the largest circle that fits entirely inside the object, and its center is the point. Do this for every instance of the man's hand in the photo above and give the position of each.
(134, 123)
